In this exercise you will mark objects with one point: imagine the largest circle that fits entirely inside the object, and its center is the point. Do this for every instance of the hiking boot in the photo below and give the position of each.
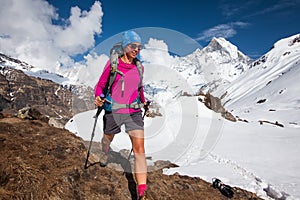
(103, 158)
(143, 197)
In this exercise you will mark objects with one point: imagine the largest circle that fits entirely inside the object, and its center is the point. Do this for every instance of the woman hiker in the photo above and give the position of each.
(126, 90)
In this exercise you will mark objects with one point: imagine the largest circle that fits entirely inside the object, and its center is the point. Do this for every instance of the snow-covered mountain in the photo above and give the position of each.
(205, 69)
(30, 70)
(269, 90)
(229, 62)
(219, 61)
(73, 83)
(265, 88)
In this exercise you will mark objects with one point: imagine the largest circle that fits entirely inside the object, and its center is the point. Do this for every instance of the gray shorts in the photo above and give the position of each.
(112, 122)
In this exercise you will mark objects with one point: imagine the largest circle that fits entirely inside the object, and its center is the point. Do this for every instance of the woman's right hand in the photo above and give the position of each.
(99, 101)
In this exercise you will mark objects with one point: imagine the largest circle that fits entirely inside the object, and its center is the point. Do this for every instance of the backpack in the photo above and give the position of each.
(110, 105)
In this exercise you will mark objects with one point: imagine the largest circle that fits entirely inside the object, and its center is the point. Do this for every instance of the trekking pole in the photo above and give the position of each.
(93, 132)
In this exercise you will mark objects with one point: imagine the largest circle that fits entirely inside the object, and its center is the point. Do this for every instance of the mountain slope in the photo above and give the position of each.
(68, 78)
(229, 62)
(205, 69)
(269, 89)
(7, 61)
(57, 102)
(219, 62)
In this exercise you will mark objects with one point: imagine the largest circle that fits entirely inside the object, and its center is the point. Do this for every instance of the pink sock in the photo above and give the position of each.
(141, 189)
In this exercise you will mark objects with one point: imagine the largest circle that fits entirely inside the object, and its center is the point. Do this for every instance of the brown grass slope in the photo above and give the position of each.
(42, 162)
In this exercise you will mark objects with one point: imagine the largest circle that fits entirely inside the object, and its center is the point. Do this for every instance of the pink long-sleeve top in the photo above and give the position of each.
(131, 81)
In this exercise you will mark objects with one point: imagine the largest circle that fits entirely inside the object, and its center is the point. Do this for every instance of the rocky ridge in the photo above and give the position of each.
(57, 102)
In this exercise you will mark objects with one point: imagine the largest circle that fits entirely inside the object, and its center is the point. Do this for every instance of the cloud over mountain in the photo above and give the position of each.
(33, 31)
(222, 30)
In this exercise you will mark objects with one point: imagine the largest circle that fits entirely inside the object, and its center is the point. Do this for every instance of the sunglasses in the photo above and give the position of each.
(134, 46)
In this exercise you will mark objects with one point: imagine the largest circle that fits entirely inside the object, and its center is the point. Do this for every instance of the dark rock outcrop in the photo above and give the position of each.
(215, 104)
(19, 91)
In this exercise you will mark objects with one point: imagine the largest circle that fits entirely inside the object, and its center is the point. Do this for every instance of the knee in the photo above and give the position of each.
(107, 138)
(139, 149)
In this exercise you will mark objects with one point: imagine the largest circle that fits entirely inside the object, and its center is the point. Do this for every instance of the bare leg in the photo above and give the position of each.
(137, 140)
(106, 140)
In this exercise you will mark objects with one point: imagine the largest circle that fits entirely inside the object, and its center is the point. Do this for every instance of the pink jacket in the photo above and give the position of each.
(131, 80)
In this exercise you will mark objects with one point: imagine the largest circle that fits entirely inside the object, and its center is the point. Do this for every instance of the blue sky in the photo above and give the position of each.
(252, 25)
(54, 33)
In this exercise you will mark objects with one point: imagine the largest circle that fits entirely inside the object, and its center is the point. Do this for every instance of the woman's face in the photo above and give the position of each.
(133, 49)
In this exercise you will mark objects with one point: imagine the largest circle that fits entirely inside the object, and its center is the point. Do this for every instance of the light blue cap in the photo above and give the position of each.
(130, 37)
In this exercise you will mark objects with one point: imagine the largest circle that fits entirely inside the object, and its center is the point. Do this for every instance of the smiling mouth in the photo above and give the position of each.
(134, 53)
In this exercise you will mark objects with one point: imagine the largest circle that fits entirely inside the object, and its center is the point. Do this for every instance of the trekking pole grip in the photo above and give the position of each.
(146, 108)
(100, 107)
(147, 105)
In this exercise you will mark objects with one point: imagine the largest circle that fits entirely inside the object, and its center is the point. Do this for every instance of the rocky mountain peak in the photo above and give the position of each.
(217, 43)
(225, 48)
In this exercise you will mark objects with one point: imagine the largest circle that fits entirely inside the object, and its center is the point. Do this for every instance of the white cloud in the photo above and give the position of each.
(231, 8)
(156, 52)
(222, 30)
(280, 6)
(86, 72)
(79, 35)
(27, 32)
(253, 8)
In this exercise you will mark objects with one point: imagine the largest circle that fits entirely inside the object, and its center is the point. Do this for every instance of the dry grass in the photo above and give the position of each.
(42, 162)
